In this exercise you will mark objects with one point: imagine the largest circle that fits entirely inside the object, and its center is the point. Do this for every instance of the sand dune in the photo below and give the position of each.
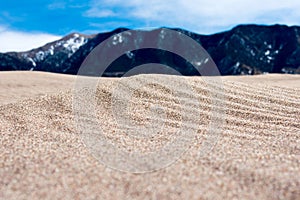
(16, 86)
(43, 154)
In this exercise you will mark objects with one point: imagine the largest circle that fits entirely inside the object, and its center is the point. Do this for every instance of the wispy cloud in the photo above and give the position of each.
(107, 25)
(99, 13)
(65, 4)
(57, 5)
(5, 16)
(202, 15)
(11, 40)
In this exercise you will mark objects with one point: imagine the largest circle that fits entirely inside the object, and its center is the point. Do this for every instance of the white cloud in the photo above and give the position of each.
(202, 15)
(22, 41)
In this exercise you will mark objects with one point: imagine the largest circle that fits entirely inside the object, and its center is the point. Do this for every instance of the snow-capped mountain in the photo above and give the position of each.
(246, 49)
(50, 56)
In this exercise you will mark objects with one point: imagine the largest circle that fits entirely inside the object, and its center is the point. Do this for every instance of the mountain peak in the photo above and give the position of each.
(246, 49)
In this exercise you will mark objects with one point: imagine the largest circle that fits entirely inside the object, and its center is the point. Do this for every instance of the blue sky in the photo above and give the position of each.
(31, 23)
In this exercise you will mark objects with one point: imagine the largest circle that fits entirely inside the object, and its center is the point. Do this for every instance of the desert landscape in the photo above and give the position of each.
(256, 156)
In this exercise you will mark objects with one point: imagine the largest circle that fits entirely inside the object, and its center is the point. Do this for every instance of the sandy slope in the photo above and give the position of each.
(286, 80)
(15, 86)
(257, 155)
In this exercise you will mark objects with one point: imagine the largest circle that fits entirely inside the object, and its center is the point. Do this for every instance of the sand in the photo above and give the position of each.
(43, 154)
(16, 86)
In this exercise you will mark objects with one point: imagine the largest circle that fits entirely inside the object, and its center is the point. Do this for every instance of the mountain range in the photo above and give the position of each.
(246, 49)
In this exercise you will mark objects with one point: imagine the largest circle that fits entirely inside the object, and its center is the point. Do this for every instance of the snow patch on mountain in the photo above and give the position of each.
(51, 50)
(129, 54)
(69, 45)
(32, 61)
(74, 43)
(118, 38)
(39, 56)
(267, 52)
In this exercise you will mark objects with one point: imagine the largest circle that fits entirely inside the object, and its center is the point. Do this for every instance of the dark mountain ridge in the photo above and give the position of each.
(246, 49)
